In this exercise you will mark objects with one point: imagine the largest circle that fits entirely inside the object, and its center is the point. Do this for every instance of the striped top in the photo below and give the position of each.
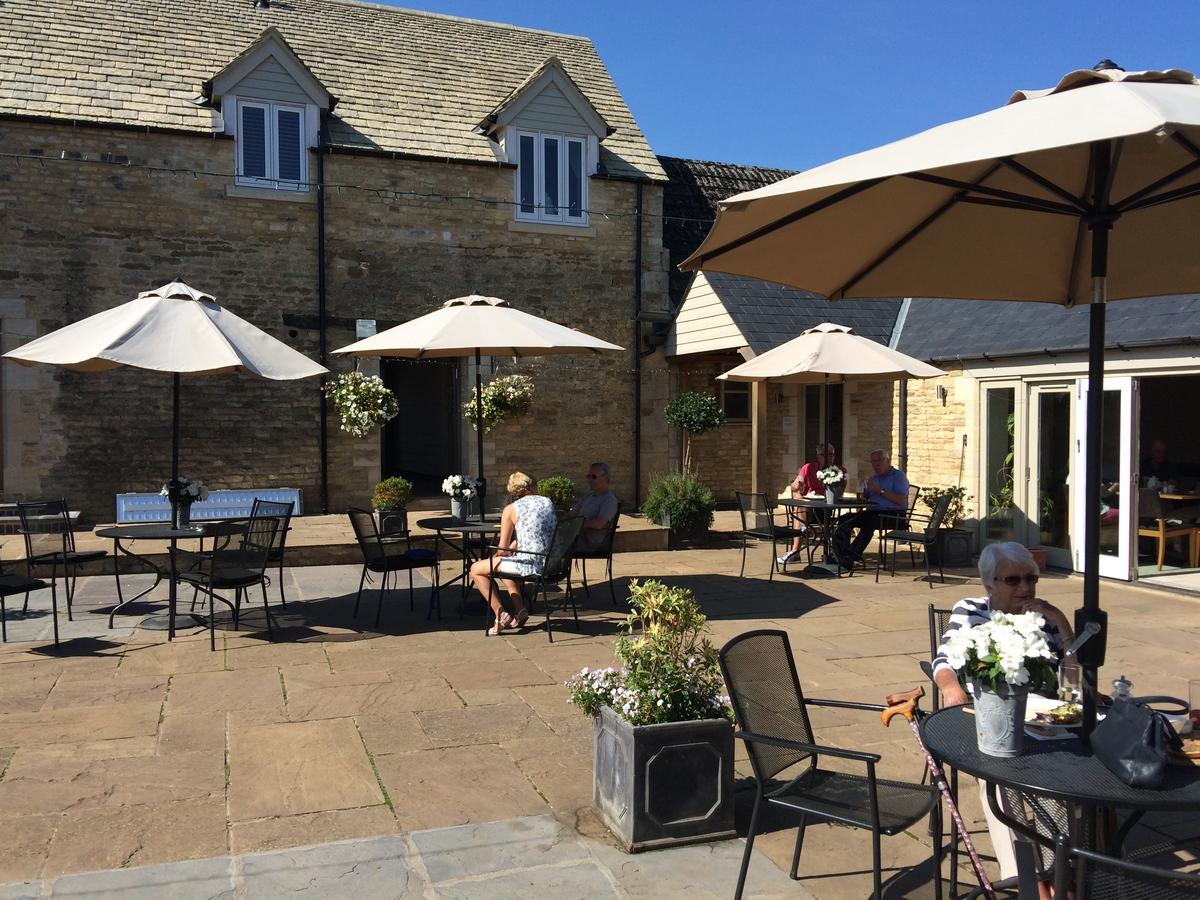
(975, 611)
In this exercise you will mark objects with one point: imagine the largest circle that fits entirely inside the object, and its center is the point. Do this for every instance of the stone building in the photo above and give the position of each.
(313, 164)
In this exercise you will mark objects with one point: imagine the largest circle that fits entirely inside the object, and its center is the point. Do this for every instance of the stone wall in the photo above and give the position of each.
(937, 455)
(84, 233)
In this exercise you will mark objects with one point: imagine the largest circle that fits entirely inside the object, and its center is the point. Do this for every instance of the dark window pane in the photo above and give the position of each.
(253, 138)
(550, 175)
(288, 129)
(575, 179)
(735, 400)
(528, 173)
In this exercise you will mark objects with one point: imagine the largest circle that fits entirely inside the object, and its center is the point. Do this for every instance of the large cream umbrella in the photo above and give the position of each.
(174, 329)
(1014, 204)
(485, 326)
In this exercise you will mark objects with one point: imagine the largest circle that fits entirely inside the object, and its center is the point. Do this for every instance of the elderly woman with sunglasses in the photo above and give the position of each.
(1010, 577)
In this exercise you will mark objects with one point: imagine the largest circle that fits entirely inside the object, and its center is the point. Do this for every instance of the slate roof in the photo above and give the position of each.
(694, 188)
(975, 329)
(769, 314)
(407, 82)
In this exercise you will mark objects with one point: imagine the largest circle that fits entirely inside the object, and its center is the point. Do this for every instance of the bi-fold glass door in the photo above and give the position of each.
(1118, 484)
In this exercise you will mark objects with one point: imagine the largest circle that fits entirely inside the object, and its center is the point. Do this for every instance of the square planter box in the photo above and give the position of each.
(953, 547)
(661, 785)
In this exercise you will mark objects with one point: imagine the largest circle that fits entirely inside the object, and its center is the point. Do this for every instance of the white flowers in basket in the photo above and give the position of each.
(460, 487)
(830, 476)
(363, 401)
(185, 491)
(1010, 649)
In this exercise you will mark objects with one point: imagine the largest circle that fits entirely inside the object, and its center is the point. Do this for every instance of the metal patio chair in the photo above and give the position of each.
(387, 556)
(772, 716)
(925, 537)
(758, 522)
(1096, 876)
(11, 585)
(604, 552)
(281, 510)
(50, 541)
(556, 569)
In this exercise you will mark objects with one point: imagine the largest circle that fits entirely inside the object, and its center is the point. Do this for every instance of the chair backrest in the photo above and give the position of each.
(558, 557)
(281, 510)
(755, 511)
(46, 527)
(914, 493)
(940, 507)
(610, 534)
(761, 676)
(939, 621)
(253, 551)
(367, 534)
(1101, 877)
(1150, 505)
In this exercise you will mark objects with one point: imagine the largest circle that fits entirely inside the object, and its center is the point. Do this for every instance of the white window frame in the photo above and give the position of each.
(272, 179)
(540, 213)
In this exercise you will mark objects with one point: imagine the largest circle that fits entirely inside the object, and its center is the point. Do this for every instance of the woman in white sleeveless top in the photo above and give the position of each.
(526, 530)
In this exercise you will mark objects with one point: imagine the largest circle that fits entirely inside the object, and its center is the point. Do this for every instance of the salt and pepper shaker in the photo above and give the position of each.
(1122, 688)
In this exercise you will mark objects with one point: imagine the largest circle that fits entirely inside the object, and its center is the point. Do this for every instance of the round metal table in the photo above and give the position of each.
(839, 508)
(163, 531)
(473, 535)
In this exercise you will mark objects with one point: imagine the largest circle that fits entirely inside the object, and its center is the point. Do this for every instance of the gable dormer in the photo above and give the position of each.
(549, 129)
(271, 104)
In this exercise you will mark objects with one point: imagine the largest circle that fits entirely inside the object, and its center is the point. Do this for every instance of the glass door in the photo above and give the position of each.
(1047, 494)
(1117, 487)
(1000, 465)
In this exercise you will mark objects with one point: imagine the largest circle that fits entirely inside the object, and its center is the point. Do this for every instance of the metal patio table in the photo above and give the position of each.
(1060, 769)
(837, 510)
(474, 537)
(120, 534)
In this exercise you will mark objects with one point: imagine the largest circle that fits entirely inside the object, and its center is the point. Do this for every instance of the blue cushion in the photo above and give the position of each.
(420, 554)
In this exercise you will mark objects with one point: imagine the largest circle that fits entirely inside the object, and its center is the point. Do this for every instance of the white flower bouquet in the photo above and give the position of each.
(830, 476)
(184, 491)
(1011, 649)
(460, 487)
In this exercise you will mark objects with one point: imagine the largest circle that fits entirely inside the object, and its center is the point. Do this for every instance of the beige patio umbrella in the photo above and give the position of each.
(485, 326)
(174, 329)
(1088, 191)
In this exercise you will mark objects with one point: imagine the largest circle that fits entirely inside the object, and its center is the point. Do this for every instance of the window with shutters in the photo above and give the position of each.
(551, 178)
(270, 146)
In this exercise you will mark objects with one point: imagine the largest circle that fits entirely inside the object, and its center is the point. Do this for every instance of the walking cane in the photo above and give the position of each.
(905, 704)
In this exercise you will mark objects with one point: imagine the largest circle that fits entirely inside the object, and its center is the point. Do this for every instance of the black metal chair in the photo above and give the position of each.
(604, 551)
(555, 569)
(385, 556)
(1096, 876)
(50, 541)
(772, 714)
(11, 585)
(758, 522)
(282, 511)
(925, 537)
(235, 568)
(939, 621)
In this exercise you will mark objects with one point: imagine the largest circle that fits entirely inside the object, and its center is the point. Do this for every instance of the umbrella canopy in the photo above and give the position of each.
(829, 353)
(485, 326)
(174, 329)
(1018, 203)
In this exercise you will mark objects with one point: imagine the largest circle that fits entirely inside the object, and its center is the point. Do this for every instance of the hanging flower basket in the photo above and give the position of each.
(362, 401)
(510, 395)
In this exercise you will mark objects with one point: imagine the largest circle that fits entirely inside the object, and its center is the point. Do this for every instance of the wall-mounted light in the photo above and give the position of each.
(940, 390)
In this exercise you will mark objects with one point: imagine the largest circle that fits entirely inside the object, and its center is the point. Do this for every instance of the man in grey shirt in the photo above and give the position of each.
(598, 508)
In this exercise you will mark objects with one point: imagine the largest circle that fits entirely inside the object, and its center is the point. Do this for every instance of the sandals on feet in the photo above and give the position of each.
(505, 621)
(521, 618)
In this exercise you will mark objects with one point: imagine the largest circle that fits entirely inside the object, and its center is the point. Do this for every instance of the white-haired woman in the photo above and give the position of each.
(526, 530)
(1010, 577)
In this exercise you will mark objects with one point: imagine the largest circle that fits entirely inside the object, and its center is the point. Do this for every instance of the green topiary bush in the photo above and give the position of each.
(682, 499)
(560, 489)
(695, 413)
(392, 493)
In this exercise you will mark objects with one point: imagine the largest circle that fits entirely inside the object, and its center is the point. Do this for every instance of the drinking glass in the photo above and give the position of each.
(1068, 682)
(1194, 701)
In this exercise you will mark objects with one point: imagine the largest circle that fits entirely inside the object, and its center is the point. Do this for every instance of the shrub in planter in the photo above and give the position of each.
(560, 489)
(390, 502)
(663, 750)
(681, 502)
(957, 510)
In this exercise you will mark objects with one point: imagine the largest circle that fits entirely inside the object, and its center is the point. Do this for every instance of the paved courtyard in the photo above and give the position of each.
(123, 751)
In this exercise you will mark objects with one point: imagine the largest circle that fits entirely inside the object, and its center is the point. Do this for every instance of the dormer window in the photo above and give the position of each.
(270, 146)
(551, 181)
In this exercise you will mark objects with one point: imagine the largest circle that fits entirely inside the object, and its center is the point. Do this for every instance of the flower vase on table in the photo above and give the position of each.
(459, 509)
(181, 515)
(833, 478)
(462, 490)
(182, 493)
(1003, 659)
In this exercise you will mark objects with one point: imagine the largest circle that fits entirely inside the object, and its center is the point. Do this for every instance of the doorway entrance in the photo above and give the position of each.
(423, 442)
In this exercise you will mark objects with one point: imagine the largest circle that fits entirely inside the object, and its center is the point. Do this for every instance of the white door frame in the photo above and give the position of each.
(1120, 566)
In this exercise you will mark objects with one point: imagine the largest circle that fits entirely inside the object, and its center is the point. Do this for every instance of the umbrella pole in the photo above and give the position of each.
(479, 429)
(175, 427)
(1091, 656)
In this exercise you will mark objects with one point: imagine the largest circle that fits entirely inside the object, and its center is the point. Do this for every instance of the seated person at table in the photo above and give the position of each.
(887, 498)
(1009, 575)
(1156, 465)
(526, 528)
(807, 482)
(598, 507)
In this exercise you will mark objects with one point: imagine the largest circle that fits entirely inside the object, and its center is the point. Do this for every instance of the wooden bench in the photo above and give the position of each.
(225, 504)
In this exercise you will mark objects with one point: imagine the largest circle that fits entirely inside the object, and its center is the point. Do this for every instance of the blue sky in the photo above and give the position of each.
(795, 84)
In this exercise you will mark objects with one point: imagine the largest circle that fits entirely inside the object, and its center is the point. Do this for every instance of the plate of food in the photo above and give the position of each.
(1051, 714)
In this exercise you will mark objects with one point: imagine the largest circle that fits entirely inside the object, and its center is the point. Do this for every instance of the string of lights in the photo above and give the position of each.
(381, 193)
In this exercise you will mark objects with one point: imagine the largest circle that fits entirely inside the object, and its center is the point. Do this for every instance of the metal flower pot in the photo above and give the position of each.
(459, 509)
(661, 785)
(1000, 719)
